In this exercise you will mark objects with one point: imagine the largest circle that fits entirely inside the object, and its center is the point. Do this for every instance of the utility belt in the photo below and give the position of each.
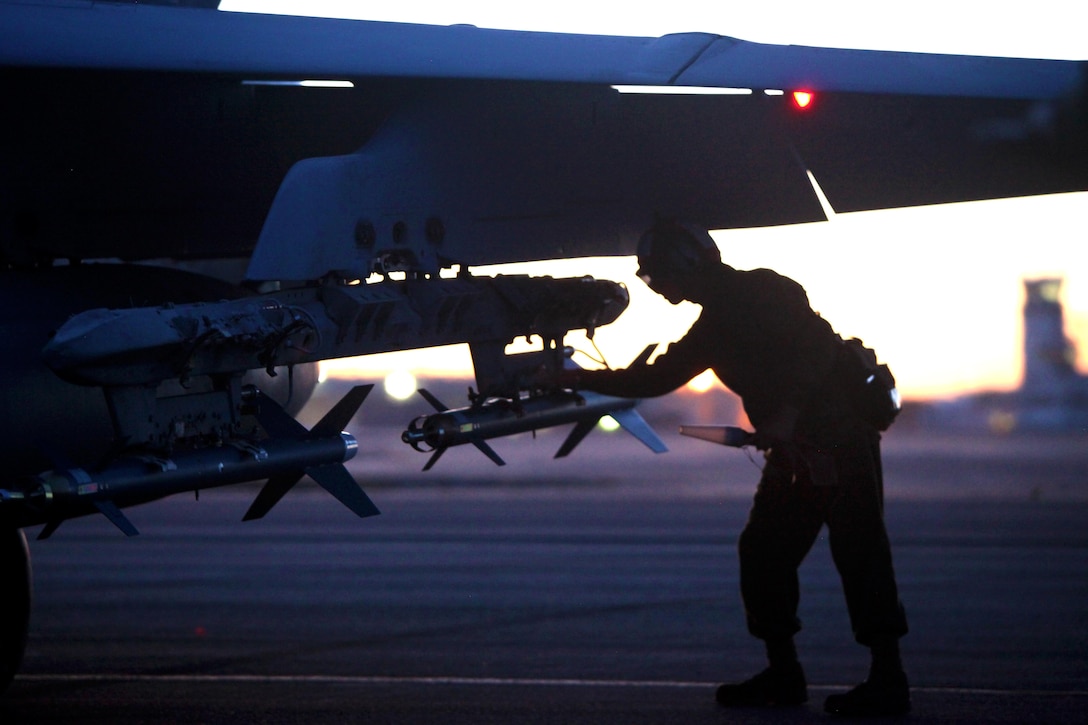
(868, 385)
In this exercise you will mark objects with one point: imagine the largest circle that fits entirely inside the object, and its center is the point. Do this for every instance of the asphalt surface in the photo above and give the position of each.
(602, 589)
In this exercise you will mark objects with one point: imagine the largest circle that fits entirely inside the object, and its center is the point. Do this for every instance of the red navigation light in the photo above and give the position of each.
(803, 99)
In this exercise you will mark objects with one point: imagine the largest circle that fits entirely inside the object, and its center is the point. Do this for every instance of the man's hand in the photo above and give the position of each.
(777, 429)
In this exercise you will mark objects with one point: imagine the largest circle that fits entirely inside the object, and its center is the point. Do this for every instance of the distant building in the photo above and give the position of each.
(1052, 396)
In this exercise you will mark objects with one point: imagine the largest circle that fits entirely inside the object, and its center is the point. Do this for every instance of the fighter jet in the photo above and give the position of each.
(339, 181)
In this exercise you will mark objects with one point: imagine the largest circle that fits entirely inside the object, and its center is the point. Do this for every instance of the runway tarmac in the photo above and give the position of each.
(602, 589)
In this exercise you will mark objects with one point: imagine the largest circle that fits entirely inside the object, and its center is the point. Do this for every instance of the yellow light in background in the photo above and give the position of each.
(400, 384)
(703, 382)
(608, 423)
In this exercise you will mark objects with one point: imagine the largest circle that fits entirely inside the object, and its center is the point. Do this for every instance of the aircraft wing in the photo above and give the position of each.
(145, 37)
(507, 145)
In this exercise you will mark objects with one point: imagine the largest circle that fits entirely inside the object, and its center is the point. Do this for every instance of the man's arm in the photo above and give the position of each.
(681, 362)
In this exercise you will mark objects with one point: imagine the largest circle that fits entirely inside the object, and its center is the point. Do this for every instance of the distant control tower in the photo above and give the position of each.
(1052, 398)
(1048, 354)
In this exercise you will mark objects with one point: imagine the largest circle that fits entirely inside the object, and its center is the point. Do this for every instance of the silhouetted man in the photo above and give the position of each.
(804, 391)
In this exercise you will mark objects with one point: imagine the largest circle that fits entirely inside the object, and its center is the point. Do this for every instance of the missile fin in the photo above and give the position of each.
(110, 511)
(581, 429)
(340, 415)
(434, 458)
(335, 479)
(637, 426)
(489, 452)
(274, 489)
(276, 421)
(435, 402)
(480, 445)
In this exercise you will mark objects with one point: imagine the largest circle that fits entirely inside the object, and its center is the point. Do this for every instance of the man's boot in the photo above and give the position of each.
(782, 683)
(773, 686)
(885, 692)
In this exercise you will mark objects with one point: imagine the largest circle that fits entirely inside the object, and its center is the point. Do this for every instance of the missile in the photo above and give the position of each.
(502, 417)
(289, 453)
(726, 435)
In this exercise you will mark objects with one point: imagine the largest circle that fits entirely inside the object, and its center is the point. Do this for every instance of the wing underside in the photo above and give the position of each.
(166, 132)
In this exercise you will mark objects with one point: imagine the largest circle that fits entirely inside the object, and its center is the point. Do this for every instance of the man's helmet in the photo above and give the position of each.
(672, 249)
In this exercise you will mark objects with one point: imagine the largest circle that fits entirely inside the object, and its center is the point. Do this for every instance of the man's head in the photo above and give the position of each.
(671, 255)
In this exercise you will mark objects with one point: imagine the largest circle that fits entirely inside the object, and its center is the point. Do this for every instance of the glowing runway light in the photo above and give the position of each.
(608, 423)
(803, 99)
